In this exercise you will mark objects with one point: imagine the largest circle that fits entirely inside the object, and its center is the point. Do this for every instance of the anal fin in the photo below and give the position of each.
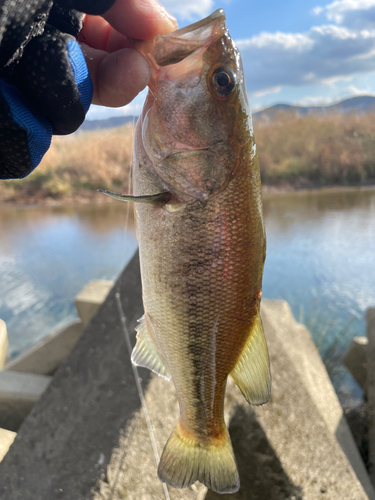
(252, 371)
(145, 353)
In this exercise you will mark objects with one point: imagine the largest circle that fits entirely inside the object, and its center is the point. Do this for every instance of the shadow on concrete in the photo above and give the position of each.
(13, 414)
(358, 418)
(261, 473)
(356, 421)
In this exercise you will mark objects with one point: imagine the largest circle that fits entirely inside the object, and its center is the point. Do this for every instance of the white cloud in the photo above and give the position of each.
(351, 13)
(188, 9)
(324, 54)
(353, 90)
(317, 10)
(262, 93)
(331, 81)
(336, 32)
(315, 101)
(287, 41)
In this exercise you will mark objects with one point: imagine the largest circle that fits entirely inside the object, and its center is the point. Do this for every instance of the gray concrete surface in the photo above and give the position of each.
(91, 297)
(47, 355)
(86, 439)
(370, 321)
(4, 345)
(18, 394)
(355, 360)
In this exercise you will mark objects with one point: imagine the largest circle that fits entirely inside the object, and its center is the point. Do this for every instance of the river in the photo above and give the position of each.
(320, 258)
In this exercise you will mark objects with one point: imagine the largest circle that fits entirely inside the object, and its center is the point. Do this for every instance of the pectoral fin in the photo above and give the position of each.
(145, 353)
(155, 199)
(252, 371)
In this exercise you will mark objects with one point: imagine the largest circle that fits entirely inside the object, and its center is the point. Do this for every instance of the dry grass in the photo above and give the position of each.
(305, 151)
(76, 166)
(317, 150)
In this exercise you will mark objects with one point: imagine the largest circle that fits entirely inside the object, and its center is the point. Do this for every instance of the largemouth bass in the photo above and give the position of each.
(202, 244)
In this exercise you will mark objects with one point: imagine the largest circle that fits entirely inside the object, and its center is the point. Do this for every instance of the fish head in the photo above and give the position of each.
(196, 118)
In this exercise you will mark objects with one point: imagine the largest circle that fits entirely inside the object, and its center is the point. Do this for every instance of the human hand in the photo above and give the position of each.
(45, 86)
(117, 71)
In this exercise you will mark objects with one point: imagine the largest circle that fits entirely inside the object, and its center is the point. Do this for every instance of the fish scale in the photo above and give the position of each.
(187, 286)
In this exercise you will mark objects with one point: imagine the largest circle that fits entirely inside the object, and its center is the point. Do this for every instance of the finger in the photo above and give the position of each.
(117, 77)
(140, 19)
(99, 34)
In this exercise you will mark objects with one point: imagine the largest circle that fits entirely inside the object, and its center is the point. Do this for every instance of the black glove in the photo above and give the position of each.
(45, 86)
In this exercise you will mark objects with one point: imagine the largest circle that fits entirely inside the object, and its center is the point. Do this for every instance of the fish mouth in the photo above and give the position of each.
(218, 15)
(174, 47)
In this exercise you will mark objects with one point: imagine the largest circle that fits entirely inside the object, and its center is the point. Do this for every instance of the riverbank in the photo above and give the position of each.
(86, 197)
(78, 197)
(296, 153)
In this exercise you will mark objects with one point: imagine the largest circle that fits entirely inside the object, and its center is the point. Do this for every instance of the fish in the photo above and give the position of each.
(198, 206)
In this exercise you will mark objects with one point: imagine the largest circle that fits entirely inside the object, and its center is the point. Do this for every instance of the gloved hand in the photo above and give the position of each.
(45, 86)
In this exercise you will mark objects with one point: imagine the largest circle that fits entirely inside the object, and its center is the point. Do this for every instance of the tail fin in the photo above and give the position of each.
(186, 460)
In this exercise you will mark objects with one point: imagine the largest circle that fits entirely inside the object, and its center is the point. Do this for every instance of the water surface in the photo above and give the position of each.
(47, 255)
(320, 258)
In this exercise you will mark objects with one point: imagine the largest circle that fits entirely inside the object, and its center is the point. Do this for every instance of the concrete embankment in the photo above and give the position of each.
(86, 437)
(24, 379)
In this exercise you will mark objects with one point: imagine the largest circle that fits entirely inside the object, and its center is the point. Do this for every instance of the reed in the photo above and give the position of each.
(316, 150)
(294, 152)
(75, 167)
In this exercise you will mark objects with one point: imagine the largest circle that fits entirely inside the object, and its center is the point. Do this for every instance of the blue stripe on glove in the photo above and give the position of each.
(81, 73)
(38, 129)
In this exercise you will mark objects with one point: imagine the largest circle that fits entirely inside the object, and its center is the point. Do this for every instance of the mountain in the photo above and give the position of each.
(359, 104)
(114, 121)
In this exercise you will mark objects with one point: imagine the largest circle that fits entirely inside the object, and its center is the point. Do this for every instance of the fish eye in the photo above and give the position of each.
(223, 81)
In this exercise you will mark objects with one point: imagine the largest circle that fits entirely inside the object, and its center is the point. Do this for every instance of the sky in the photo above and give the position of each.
(308, 52)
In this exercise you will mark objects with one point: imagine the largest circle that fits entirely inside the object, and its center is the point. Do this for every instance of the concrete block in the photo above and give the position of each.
(91, 297)
(4, 345)
(92, 439)
(6, 439)
(355, 360)
(18, 394)
(370, 330)
(46, 355)
(298, 368)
